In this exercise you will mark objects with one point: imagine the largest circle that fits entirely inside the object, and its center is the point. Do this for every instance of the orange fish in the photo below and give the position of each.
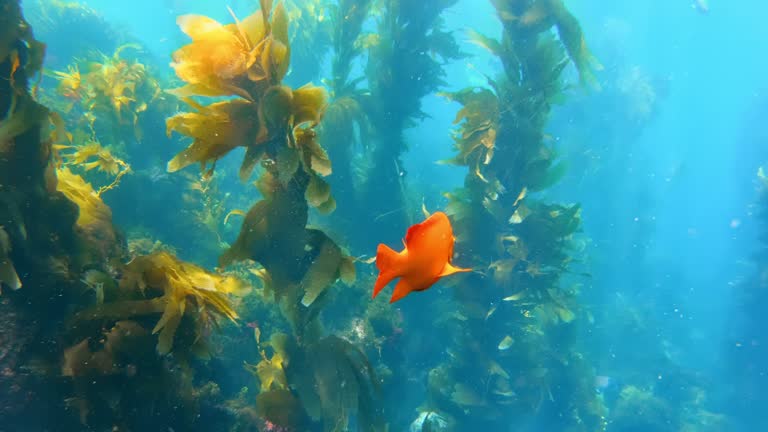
(425, 259)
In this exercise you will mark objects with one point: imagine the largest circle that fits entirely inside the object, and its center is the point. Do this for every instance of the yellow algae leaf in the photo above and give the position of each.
(490, 44)
(254, 28)
(347, 269)
(216, 58)
(424, 210)
(318, 192)
(515, 297)
(93, 211)
(216, 129)
(314, 157)
(463, 395)
(234, 286)
(506, 343)
(279, 59)
(495, 369)
(270, 372)
(521, 196)
(565, 315)
(327, 207)
(309, 102)
(520, 214)
(233, 213)
(280, 24)
(184, 286)
(491, 311)
(323, 271)
(266, 8)
(167, 326)
(367, 41)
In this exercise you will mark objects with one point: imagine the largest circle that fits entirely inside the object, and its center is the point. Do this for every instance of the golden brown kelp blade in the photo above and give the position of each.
(177, 289)
(216, 129)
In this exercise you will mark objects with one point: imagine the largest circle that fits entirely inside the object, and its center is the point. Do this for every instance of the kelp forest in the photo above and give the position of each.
(188, 243)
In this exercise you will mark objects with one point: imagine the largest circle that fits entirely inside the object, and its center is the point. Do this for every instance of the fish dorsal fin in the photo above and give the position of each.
(402, 289)
(449, 270)
(415, 235)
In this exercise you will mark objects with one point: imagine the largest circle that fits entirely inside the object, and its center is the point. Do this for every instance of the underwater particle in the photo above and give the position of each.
(425, 259)
(735, 223)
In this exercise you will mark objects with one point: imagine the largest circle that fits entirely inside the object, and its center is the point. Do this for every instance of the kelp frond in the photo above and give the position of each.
(93, 211)
(175, 289)
(92, 156)
(111, 87)
(539, 16)
(247, 59)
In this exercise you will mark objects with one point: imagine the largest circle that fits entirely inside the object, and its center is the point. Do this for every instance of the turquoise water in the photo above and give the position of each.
(646, 315)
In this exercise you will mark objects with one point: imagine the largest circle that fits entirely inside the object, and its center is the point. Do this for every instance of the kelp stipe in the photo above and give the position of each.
(405, 64)
(345, 128)
(518, 355)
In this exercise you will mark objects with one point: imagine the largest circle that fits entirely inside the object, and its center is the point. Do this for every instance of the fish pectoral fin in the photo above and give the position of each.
(449, 270)
(402, 289)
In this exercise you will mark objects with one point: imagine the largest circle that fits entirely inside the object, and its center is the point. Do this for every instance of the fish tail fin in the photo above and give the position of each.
(388, 263)
(402, 289)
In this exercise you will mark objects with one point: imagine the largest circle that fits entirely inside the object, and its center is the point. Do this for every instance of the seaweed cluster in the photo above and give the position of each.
(516, 349)
(276, 124)
(107, 96)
